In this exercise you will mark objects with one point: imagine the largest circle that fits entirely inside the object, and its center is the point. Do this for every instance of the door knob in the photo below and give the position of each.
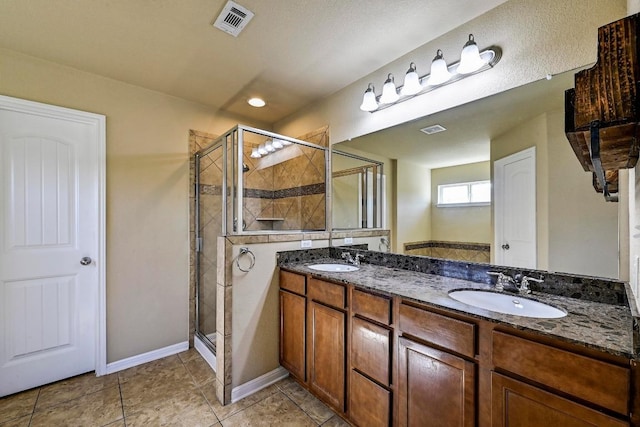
(505, 247)
(86, 260)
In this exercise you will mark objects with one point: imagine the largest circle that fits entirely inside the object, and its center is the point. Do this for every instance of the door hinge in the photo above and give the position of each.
(198, 244)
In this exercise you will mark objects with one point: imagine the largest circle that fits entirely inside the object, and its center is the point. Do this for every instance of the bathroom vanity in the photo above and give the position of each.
(387, 346)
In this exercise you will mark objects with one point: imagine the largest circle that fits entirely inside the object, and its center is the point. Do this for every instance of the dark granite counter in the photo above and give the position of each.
(603, 326)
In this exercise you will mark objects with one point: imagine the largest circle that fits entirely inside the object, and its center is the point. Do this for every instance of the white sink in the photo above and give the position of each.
(334, 268)
(507, 304)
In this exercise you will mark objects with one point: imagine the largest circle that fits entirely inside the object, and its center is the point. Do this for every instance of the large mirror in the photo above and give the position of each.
(435, 182)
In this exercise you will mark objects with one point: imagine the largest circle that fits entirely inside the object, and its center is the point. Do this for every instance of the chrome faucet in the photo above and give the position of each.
(350, 259)
(523, 288)
(502, 281)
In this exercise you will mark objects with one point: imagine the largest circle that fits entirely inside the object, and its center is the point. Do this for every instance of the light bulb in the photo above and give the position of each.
(255, 154)
(470, 60)
(269, 147)
(369, 102)
(389, 92)
(439, 70)
(262, 150)
(411, 82)
(277, 144)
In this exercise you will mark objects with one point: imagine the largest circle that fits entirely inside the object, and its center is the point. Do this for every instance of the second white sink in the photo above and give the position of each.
(507, 304)
(334, 268)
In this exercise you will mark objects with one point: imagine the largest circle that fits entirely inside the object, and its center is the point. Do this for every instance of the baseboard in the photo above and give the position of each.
(149, 356)
(206, 354)
(257, 384)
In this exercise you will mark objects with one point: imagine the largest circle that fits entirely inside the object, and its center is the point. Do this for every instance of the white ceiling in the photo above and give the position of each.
(470, 127)
(292, 53)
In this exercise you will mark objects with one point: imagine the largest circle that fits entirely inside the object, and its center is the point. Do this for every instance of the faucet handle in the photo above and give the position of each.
(502, 280)
(524, 284)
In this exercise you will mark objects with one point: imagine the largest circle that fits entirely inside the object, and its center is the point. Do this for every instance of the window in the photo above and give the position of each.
(477, 193)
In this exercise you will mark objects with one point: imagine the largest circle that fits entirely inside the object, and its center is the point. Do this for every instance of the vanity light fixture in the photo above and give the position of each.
(411, 82)
(389, 91)
(439, 71)
(369, 102)
(269, 147)
(472, 61)
(255, 154)
(262, 150)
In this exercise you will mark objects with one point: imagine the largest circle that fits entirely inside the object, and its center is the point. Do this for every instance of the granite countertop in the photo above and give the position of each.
(597, 325)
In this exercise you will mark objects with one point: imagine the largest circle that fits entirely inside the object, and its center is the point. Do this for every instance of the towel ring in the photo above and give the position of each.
(252, 257)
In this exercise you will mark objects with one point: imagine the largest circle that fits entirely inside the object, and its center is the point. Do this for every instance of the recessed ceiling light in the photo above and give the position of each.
(257, 102)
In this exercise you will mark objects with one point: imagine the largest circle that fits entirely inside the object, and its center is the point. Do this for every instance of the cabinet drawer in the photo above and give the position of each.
(293, 282)
(371, 306)
(327, 293)
(453, 334)
(602, 383)
(369, 404)
(371, 350)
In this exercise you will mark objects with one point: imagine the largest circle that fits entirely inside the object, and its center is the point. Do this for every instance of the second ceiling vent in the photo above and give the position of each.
(233, 18)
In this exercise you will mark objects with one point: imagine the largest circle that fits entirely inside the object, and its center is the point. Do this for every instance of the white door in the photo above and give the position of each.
(515, 209)
(49, 242)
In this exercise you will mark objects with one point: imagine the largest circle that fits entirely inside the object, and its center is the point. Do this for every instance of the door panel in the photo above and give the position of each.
(515, 210)
(49, 188)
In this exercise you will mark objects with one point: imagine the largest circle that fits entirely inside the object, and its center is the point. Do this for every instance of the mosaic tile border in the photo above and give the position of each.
(448, 245)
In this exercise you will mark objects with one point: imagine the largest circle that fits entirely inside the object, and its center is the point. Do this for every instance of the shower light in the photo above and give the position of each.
(470, 59)
(411, 82)
(389, 92)
(255, 154)
(439, 71)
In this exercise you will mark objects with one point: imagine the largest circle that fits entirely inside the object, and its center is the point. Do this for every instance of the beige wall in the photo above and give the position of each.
(583, 227)
(538, 37)
(460, 224)
(147, 194)
(412, 203)
(577, 230)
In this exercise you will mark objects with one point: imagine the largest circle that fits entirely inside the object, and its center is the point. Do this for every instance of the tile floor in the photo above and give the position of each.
(174, 391)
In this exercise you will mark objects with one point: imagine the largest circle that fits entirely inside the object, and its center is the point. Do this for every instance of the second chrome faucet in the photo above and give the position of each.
(351, 259)
(521, 283)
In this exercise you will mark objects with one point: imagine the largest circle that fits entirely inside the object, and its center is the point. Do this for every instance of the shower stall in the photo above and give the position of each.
(250, 182)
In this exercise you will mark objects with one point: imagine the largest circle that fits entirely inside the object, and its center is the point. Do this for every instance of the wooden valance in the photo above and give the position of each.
(602, 112)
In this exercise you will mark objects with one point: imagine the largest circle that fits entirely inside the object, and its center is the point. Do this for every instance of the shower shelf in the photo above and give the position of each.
(269, 219)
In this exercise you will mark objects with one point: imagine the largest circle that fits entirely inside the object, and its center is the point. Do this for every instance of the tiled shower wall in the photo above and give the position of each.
(290, 195)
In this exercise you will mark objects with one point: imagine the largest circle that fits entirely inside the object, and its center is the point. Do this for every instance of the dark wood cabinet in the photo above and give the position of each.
(434, 387)
(514, 403)
(293, 313)
(326, 332)
(381, 361)
(369, 403)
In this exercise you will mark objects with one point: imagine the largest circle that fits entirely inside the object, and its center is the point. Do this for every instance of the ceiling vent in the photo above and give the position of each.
(233, 18)
(430, 130)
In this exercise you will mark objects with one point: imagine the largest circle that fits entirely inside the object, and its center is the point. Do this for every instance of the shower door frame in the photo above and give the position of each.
(217, 144)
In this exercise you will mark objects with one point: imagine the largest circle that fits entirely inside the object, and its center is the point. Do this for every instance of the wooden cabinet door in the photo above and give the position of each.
(514, 403)
(327, 354)
(434, 387)
(369, 403)
(292, 334)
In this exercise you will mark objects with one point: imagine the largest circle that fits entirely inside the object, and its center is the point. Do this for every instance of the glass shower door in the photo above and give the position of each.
(209, 225)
